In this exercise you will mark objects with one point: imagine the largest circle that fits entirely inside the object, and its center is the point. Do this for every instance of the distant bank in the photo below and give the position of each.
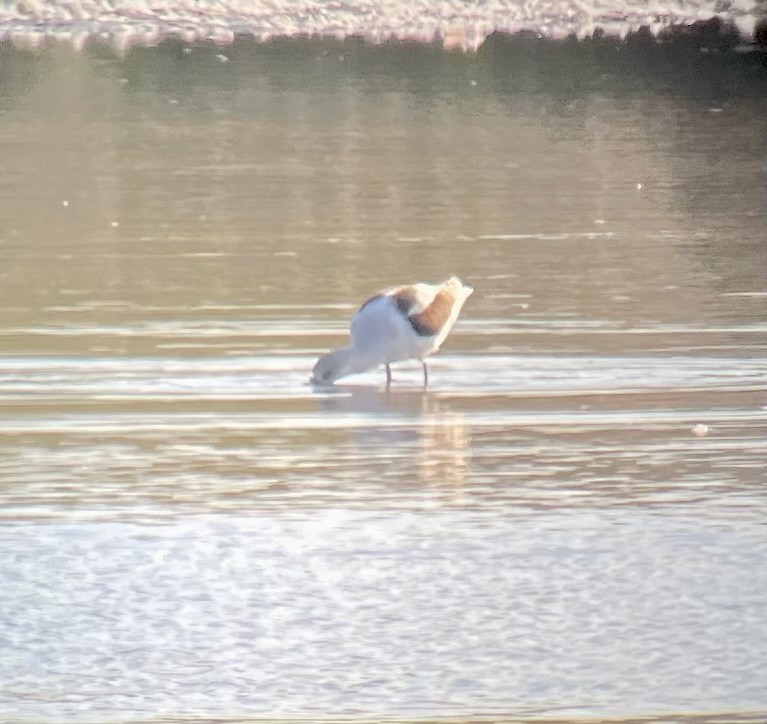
(708, 25)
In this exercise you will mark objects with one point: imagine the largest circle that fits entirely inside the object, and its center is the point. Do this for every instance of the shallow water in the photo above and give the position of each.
(568, 522)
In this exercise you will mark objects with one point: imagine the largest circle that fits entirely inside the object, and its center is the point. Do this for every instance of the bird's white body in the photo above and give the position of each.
(396, 324)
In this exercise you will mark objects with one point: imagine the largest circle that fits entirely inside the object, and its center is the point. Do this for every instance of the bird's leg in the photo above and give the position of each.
(425, 375)
(388, 376)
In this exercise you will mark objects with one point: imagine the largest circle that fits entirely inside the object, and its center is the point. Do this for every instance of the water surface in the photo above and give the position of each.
(568, 523)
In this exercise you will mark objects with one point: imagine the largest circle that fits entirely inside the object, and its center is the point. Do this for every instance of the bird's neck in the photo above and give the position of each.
(355, 361)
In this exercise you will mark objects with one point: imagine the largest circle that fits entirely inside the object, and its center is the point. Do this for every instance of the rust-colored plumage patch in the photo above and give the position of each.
(431, 320)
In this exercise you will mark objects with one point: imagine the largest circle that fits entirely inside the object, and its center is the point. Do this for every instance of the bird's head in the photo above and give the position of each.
(330, 367)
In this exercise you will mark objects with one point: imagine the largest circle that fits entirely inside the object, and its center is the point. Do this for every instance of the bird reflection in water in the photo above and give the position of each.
(415, 428)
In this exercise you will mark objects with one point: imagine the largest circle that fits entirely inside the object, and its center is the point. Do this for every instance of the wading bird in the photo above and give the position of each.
(396, 324)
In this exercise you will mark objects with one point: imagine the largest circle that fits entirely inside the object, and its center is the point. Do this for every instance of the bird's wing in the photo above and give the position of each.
(428, 308)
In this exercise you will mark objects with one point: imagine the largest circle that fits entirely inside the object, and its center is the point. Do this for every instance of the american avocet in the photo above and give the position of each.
(396, 324)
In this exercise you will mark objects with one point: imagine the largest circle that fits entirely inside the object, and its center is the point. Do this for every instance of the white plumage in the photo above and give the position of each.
(399, 323)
